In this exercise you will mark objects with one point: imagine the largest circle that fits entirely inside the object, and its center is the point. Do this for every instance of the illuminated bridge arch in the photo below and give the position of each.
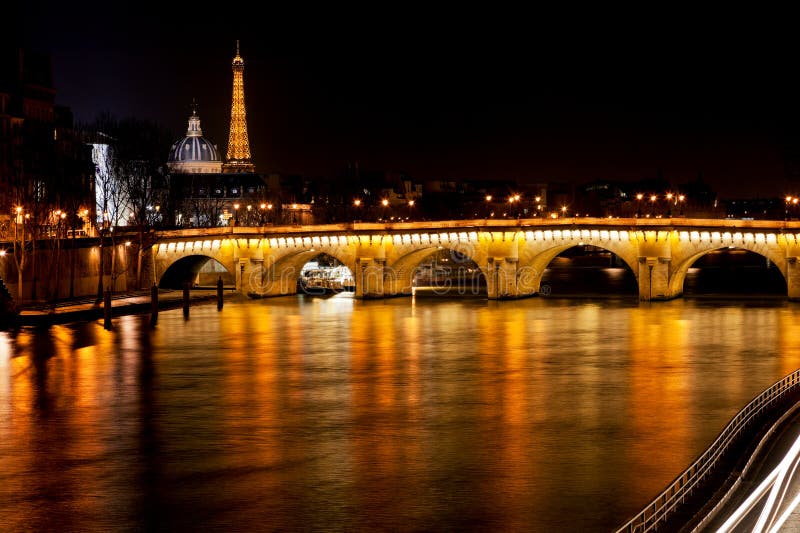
(698, 244)
(541, 247)
(401, 273)
(278, 274)
(186, 270)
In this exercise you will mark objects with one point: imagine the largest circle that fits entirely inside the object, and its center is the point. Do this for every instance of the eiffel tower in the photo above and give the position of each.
(238, 158)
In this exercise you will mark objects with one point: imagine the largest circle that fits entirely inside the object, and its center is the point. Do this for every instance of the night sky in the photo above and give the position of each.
(497, 97)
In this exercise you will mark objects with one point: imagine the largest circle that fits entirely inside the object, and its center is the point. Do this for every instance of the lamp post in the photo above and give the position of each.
(249, 214)
(669, 207)
(653, 199)
(262, 207)
(639, 205)
(385, 204)
(488, 205)
(235, 214)
(681, 198)
(563, 210)
(356, 205)
(410, 206)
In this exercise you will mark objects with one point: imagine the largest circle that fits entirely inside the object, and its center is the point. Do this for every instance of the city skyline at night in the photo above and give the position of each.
(562, 104)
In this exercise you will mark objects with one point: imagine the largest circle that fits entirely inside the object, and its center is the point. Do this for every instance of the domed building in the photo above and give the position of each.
(194, 154)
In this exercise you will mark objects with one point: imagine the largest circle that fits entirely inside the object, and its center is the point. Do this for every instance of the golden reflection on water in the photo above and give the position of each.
(337, 414)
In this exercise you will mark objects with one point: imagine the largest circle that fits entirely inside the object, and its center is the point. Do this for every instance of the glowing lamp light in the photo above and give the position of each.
(488, 197)
(2, 253)
(411, 203)
(639, 196)
(263, 206)
(356, 203)
(384, 202)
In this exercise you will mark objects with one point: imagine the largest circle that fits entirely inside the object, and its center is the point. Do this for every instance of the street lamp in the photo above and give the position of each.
(385, 204)
(410, 205)
(681, 198)
(262, 207)
(639, 204)
(669, 201)
(563, 210)
(488, 205)
(236, 214)
(653, 199)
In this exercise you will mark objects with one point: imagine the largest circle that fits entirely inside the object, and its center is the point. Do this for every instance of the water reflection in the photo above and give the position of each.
(338, 414)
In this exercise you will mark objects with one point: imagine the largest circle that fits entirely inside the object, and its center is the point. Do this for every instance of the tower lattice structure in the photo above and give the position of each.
(238, 158)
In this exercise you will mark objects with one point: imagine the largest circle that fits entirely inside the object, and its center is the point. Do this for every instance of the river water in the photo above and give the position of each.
(333, 414)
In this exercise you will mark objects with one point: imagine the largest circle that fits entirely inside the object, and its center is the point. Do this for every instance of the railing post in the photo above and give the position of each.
(186, 300)
(107, 309)
(153, 305)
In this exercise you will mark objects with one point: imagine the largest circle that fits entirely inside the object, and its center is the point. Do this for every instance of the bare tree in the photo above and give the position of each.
(130, 185)
(22, 246)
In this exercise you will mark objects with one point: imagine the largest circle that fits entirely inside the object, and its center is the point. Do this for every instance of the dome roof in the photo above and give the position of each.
(193, 147)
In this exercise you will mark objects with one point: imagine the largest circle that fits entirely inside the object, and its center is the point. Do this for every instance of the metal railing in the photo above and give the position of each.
(657, 511)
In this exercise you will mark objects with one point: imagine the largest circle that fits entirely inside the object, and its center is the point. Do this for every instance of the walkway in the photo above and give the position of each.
(89, 308)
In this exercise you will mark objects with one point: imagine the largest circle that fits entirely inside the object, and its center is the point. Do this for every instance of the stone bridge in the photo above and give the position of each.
(512, 254)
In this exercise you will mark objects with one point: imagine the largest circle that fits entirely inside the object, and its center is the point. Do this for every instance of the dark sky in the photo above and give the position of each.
(499, 96)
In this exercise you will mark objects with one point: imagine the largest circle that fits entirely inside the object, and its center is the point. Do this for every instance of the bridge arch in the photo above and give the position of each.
(681, 269)
(187, 268)
(280, 276)
(401, 272)
(536, 261)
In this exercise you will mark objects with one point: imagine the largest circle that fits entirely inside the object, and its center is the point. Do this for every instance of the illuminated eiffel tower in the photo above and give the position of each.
(238, 159)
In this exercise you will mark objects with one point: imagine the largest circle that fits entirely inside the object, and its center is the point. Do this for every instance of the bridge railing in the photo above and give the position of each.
(657, 511)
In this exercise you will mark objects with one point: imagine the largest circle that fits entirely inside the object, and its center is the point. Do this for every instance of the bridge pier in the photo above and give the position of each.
(507, 280)
(654, 279)
(370, 277)
(793, 278)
